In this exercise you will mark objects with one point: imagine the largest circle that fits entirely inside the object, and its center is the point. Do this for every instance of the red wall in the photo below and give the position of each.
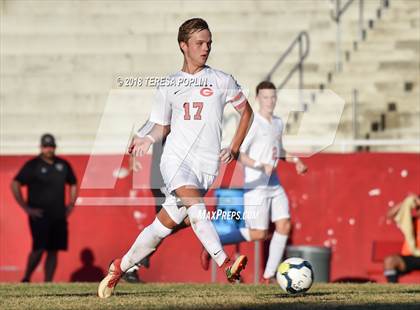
(330, 206)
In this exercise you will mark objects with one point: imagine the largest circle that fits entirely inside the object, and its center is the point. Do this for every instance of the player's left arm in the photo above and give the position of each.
(245, 110)
(301, 168)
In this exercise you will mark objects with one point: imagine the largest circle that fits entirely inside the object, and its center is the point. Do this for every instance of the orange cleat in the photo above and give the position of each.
(233, 272)
(108, 284)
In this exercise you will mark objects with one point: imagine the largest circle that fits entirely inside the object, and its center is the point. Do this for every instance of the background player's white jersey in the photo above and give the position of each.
(195, 115)
(263, 143)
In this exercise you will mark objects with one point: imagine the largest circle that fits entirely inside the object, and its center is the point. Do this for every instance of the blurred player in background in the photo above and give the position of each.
(190, 118)
(46, 176)
(264, 194)
(407, 217)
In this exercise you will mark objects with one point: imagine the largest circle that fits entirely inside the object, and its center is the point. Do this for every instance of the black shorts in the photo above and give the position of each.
(411, 263)
(49, 234)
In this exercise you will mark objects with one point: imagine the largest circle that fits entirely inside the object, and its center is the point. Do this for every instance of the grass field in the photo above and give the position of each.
(208, 296)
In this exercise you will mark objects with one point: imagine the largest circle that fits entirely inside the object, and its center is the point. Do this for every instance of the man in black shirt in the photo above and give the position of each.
(46, 176)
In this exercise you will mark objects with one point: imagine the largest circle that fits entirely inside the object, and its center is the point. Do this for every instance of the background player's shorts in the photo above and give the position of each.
(48, 234)
(177, 175)
(411, 263)
(260, 203)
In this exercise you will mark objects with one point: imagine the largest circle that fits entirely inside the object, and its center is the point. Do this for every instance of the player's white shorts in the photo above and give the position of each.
(260, 203)
(176, 175)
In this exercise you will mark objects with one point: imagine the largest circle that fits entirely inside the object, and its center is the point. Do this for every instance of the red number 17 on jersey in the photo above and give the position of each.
(196, 105)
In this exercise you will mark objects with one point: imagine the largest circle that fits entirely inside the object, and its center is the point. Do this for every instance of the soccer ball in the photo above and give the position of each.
(295, 275)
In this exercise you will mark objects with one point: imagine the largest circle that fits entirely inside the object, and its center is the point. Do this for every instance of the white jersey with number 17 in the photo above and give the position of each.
(195, 114)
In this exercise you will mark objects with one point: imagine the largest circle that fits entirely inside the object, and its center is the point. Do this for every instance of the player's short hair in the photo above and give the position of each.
(189, 27)
(264, 85)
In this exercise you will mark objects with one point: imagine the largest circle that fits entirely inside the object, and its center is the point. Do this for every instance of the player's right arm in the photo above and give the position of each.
(140, 145)
(160, 117)
(300, 166)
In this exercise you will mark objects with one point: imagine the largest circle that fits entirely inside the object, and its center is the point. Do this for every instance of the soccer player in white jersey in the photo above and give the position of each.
(263, 194)
(191, 120)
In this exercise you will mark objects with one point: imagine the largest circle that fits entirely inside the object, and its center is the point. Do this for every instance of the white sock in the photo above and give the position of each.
(146, 243)
(132, 269)
(276, 250)
(206, 233)
(245, 233)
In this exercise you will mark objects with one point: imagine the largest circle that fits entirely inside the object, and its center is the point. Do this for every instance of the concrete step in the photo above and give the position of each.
(73, 44)
(398, 133)
(15, 103)
(365, 55)
(387, 86)
(408, 44)
(378, 76)
(187, 6)
(141, 62)
(67, 124)
(405, 5)
(157, 43)
(382, 32)
(127, 22)
(77, 83)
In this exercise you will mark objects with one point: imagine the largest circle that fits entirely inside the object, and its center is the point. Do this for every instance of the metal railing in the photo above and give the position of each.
(303, 43)
(355, 111)
(303, 53)
(337, 14)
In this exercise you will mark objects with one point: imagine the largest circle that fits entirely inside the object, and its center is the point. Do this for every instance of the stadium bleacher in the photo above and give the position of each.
(67, 70)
